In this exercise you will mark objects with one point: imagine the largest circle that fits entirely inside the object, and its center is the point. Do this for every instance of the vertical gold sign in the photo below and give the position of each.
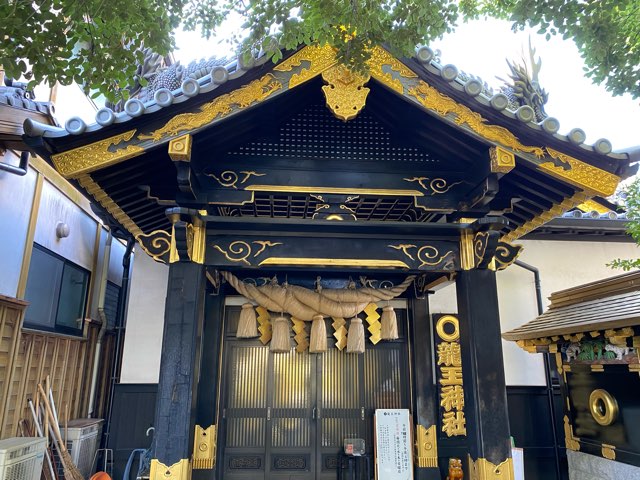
(450, 376)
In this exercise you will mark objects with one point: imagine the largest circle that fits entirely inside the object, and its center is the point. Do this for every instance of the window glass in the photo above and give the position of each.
(57, 293)
(73, 291)
(43, 289)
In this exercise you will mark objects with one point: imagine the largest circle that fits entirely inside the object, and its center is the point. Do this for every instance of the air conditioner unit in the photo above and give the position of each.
(83, 439)
(21, 458)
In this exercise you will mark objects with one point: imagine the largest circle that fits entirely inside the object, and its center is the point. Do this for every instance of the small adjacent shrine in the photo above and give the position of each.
(306, 213)
(594, 332)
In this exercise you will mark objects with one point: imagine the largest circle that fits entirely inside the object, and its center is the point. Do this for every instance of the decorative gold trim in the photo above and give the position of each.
(427, 255)
(451, 320)
(336, 190)
(180, 148)
(436, 185)
(31, 232)
(608, 451)
(483, 469)
(467, 255)
(334, 262)
(197, 241)
(603, 407)
(204, 447)
(502, 161)
(180, 470)
(556, 210)
(571, 442)
(264, 324)
(591, 206)
(373, 319)
(105, 200)
(380, 58)
(345, 93)
(229, 178)
(160, 242)
(432, 99)
(96, 155)
(426, 447)
(503, 251)
(319, 59)
(597, 368)
(240, 250)
(592, 179)
(255, 92)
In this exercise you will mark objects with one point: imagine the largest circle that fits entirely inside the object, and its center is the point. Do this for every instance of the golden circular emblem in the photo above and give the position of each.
(442, 333)
(603, 407)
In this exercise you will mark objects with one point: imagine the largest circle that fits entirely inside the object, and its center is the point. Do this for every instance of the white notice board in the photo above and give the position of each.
(394, 452)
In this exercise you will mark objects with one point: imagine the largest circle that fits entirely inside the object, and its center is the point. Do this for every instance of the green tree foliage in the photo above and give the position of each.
(632, 202)
(97, 43)
(606, 32)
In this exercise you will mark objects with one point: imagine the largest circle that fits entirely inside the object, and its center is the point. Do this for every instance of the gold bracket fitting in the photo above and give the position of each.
(426, 447)
(180, 470)
(204, 448)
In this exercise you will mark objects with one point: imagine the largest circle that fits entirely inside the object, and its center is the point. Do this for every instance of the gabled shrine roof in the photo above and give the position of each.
(233, 70)
(427, 146)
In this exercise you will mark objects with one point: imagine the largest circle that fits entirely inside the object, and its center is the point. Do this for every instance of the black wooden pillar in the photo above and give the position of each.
(425, 408)
(179, 365)
(207, 402)
(487, 419)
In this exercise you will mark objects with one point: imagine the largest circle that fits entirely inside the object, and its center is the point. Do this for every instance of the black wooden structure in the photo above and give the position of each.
(303, 169)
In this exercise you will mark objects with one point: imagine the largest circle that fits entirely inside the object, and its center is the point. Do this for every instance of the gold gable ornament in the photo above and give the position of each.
(346, 93)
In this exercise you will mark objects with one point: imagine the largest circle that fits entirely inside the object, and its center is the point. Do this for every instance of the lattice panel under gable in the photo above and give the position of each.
(315, 134)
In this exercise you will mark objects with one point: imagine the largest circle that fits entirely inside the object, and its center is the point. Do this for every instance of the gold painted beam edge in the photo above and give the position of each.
(334, 262)
(334, 190)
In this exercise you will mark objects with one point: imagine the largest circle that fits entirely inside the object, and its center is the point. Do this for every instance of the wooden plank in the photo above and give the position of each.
(21, 402)
(17, 317)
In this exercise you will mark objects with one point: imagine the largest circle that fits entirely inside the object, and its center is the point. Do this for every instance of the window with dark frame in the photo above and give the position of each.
(57, 292)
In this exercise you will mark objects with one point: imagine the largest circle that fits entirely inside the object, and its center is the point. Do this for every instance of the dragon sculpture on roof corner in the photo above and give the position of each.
(523, 87)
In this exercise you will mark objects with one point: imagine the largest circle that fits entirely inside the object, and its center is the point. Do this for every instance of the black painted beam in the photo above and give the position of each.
(425, 408)
(487, 419)
(176, 401)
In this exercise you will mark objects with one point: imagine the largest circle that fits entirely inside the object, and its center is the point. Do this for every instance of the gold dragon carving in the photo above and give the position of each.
(254, 92)
(443, 105)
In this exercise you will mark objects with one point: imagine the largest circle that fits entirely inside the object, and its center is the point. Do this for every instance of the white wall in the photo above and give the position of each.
(562, 264)
(16, 198)
(145, 321)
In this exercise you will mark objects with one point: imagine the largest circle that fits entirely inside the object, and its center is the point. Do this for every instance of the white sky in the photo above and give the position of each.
(480, 48)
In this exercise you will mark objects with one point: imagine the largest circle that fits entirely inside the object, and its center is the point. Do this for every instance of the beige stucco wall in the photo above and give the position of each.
(562, 264)
(145, 319)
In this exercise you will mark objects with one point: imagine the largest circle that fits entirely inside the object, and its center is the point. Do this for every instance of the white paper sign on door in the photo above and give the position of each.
(394, 452)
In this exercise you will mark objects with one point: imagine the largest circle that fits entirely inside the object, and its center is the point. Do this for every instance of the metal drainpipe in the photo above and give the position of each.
(122, 302)
(20, 169)
(547, 366)
(103, 318)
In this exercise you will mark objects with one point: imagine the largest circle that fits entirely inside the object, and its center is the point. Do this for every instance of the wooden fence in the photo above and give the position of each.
(28, 356)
